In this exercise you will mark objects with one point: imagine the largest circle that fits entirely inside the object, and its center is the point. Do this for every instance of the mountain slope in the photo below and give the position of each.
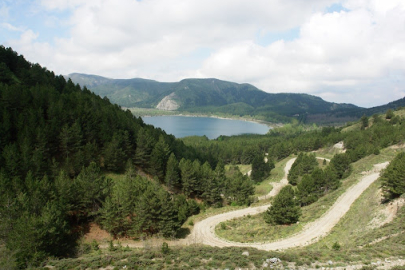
(57, 141)
(208, 96)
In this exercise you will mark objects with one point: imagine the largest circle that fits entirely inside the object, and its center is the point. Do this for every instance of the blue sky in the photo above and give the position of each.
(348, 51)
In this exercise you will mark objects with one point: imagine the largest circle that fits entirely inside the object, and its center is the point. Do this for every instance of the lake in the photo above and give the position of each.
(183, 126)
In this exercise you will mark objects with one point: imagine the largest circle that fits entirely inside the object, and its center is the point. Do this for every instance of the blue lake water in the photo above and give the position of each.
(183, 126)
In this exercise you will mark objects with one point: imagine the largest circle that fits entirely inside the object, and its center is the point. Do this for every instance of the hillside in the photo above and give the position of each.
(69, 158)
(58, 142)
(367, 234)
(359, 112)
(71, 161)
(209, 96)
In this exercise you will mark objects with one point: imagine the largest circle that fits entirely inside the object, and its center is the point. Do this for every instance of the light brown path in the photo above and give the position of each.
(277, 186)
(204, 231)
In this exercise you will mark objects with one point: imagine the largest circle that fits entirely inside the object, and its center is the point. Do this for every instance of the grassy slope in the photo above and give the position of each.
(351, 232)
(254, 229)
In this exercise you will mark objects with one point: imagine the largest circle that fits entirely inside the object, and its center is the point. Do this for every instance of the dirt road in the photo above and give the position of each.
(204, 231)
(278, 186)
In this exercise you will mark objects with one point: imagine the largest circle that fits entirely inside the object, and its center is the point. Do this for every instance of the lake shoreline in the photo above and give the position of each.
(183, 125)
(269, 124)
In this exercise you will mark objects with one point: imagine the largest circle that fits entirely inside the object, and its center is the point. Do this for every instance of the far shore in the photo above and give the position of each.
(173, 113)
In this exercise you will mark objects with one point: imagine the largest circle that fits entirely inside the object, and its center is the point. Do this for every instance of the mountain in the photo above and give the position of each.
(208, 96)
(359, 112)
(383, 108)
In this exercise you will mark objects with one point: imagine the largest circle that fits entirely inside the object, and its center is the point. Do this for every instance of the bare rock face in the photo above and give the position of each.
(168, 103)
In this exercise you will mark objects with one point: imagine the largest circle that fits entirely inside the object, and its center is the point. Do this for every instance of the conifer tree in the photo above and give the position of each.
(144, 147)
(168, 218)
(172, 177)
(341, 164)
(260, 169)
(307, 190)
(158, 159)
(188, 177)
(364, 122)
(389, 114)
(239, 188)
(393, 178)
(220, 177)
(285, 208)
(211, 191)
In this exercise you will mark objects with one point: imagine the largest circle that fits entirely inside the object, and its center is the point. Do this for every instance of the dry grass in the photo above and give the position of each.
(250, 229)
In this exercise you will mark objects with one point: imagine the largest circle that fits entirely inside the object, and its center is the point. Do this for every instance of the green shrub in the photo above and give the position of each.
(165, 248)
(336, 246)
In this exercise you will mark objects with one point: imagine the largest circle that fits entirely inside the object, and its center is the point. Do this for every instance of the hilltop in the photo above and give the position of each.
(213, 96)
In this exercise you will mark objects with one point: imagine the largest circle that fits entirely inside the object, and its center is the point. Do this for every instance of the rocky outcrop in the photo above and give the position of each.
(168, 103)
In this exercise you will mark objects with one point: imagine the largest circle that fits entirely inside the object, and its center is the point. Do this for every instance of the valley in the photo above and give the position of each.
(85, 184)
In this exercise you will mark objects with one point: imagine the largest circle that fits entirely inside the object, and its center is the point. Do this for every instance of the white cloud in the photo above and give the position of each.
(335, 51)
(11, 27)
(337, 55)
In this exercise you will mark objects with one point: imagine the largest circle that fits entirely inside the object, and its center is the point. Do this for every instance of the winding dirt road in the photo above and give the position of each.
(204, 231)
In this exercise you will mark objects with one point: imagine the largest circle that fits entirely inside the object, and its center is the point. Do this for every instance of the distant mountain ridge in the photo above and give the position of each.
(212, 96)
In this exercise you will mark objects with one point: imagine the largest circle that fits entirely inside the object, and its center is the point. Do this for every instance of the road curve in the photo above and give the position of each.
(204, 231)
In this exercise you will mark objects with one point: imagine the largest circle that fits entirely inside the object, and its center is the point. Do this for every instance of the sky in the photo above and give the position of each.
(347, 51)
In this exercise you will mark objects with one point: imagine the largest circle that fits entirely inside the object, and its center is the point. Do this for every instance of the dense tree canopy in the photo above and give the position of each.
(57, 140)
(304, 164)
(260, 168)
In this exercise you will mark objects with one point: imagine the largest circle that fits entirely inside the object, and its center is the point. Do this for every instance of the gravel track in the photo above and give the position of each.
(204, 231)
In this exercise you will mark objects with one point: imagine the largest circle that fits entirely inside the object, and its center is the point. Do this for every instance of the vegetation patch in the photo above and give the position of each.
(253, 229)
(276, 175)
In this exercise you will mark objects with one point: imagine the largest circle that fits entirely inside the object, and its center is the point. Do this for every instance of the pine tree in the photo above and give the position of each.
(210, 187)
(389, 114)
(307, 190)
(393, 178)
(172, 177)
(285, 208)
(260, 169)
(304, 164)
(331, 179)
(220, 177)
(93, 189)
(144, 147)
(364, 122)
(188, 177)
(168, 218)
(341, 164)
(114, 155)
(158, 159)
(239, 188)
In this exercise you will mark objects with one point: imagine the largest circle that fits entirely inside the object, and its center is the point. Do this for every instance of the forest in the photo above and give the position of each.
(59, 142)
